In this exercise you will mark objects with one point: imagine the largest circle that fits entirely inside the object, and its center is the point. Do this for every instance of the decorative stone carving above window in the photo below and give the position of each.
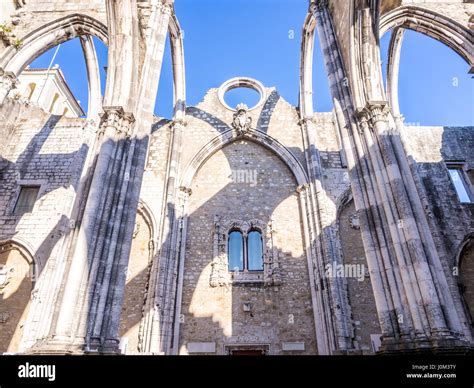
(242, 121)
(220, 274)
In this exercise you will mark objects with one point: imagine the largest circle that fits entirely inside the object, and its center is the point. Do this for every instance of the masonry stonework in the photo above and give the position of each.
(366, 246)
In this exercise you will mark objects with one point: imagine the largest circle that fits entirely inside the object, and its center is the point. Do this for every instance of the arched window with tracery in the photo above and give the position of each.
(245, 250)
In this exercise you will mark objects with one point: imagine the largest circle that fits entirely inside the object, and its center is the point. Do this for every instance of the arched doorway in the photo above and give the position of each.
(16, 283)
(466, 279)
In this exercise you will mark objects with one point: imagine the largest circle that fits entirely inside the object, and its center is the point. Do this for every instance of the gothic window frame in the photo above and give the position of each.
(222, 275)
(245, 235)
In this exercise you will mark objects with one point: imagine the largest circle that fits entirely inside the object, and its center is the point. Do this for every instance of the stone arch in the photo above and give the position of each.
(432, 24)
(427, 22)
(465, 265)
(179, 74)
(61, 30)
(306, 66)
(49, 35)
(258, 137)
(137, 280)
(17, 279)
(362, 313)
(217, 205)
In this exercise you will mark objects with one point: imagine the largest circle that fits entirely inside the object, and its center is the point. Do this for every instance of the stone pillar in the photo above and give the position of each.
(336, 337)
(7, 82)
(183, 200)
(92, 261)
(359, 177)
(410, 289)
(93, 76)
(316, 275)
(160, 303)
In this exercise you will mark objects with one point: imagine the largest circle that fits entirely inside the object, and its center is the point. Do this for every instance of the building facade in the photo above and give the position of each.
(268, 229)
(48, 89)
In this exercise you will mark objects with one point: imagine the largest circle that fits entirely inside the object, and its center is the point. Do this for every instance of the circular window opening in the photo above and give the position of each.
(242, 95)
(242, 90)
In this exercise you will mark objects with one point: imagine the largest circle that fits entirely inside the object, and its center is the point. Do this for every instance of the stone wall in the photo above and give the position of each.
(215, 314)
(359, 289)
(136, 286)
(48, 151)
(429, 148)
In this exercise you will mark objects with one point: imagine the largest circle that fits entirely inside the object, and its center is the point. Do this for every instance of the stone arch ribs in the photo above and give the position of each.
(48, 36)
(179, 73)
(333, 327)
(393, 68)
(433, 24)
(93, 75)
(228, 137)
(429, 23)
(306, 67)
(51, 34)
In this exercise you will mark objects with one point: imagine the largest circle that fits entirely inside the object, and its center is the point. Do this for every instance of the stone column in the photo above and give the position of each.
(7, 82)
(160, 303)
(316, 275)
(93, 76)
(358, 174)
(405, 270)
(183, 200)
(336, 337)
(93, 251)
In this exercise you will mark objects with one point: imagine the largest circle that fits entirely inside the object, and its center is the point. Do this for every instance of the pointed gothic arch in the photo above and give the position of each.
(430, 23)
(258, 137)
(17, 280)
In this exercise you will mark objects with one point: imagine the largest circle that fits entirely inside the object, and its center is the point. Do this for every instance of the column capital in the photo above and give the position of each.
(180, 124)
(7, 74)
(373, 112)
(115, 117)
(185, 190)
(165, 6)
(301, 189)
(317, 5)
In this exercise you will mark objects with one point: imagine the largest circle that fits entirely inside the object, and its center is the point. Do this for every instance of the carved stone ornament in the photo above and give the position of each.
(242, 120)
(354, 221)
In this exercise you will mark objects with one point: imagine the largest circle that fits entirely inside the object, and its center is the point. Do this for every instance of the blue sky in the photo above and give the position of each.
(261, 39)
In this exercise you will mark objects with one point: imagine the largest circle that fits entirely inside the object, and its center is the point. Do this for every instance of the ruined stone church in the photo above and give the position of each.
(268, 229)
